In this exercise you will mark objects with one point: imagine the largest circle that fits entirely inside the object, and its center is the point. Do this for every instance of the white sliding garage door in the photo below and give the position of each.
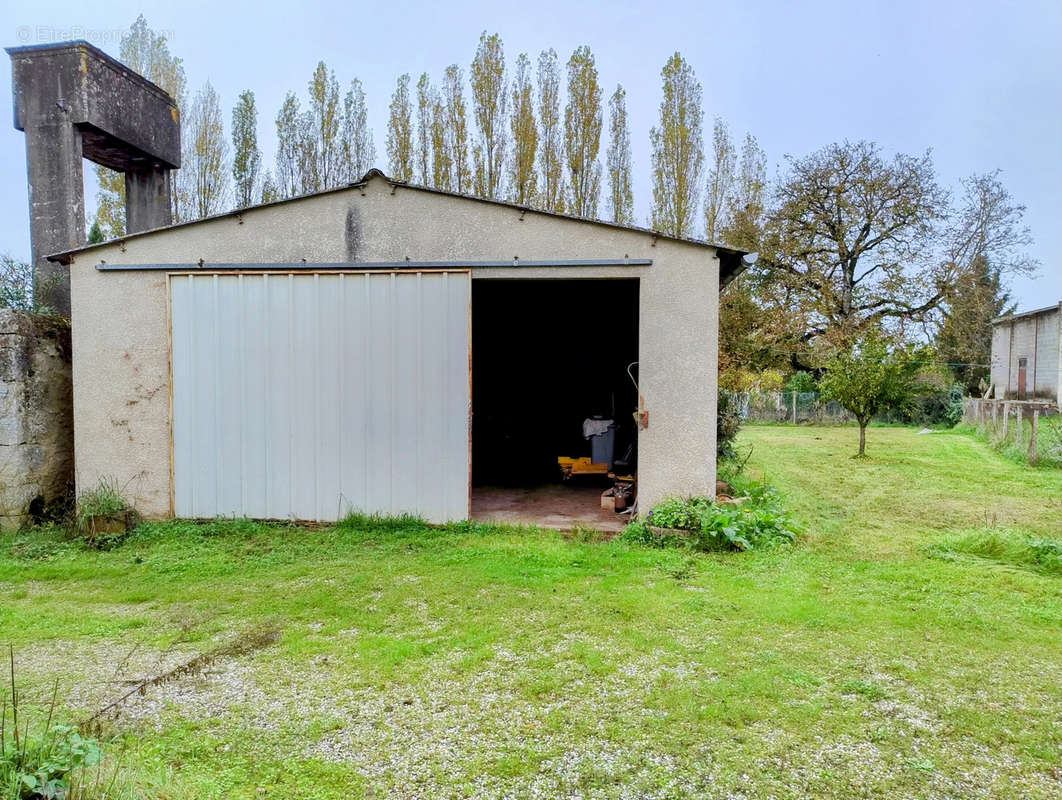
(306, 396)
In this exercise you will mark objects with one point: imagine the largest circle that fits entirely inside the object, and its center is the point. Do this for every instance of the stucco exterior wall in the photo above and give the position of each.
(121, 332)
(1037, 338)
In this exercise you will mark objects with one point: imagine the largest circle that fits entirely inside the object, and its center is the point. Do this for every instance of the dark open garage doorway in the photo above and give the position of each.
(548, 355)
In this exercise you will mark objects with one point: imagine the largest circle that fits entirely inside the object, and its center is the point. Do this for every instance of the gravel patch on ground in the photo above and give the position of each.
(481, 733)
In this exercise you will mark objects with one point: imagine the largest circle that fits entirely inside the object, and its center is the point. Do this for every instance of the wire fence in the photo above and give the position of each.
(1029, 430)
(794, 407)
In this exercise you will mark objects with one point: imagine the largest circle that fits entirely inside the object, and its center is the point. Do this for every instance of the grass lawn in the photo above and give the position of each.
(879, 657)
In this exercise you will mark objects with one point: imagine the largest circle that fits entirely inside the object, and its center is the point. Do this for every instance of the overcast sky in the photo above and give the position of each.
(979, 83)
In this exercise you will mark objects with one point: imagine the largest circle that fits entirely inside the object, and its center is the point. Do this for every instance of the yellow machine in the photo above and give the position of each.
(570, 467)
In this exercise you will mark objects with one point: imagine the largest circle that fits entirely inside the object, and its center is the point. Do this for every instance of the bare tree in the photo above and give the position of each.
(204, 162)
(359, 152)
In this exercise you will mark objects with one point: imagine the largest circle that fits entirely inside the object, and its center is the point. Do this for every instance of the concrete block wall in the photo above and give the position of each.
(1036, 337)
(36, 417)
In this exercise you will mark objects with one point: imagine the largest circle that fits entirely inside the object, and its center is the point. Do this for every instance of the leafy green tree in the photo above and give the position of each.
(400, 132)
(16, 283)
(870, 376)
(490, 106)
(95, 234)
(677, 150)
(204, 162)
(359, 151)
(851, 238)
(247, 159)
(523, 180)
(964, 339)
(456, 117)
(551, 162)
(582, 134)
(618, 161)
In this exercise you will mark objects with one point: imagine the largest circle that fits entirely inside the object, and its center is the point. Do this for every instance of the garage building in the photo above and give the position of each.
(389, 348)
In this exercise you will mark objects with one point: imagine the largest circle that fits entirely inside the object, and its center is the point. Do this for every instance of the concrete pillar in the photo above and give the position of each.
(74, 101)
(57, 202)
(147, 199)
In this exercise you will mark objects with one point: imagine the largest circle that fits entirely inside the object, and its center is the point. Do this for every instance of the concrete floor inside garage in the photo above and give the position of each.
(547, 354)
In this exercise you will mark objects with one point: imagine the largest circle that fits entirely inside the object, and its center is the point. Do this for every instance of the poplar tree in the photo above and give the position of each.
(456, 128)
(246, 158)
(288, 147)
(618, 160)
(204, 162)
(582, 134)
(400, 132)
(489, 102)
(718, 198)
(551, 164)
(359, 151)
(523, 182)
(269, 189)
(147, 53)
(677, 150)
(441, 162)
(323, 125)
(748, 201)
(424, 139)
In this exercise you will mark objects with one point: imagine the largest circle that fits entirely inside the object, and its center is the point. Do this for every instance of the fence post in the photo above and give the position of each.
(794, 408)
(1032, 441)
(1006, 416)
(1019, 419)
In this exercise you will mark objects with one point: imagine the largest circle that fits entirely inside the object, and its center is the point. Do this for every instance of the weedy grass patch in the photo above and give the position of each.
(487, 661)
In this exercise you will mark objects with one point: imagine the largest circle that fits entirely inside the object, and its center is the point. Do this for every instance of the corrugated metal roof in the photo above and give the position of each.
(1020, 314)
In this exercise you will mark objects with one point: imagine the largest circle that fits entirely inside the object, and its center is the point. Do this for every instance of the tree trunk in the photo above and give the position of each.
(862, 438)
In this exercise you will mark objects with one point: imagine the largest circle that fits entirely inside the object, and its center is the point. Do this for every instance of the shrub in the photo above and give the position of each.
(943, 408)
(801, 382)
(727, 425)
(757, 523)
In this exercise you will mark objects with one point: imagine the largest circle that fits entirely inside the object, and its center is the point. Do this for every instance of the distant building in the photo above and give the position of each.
(1027, 355)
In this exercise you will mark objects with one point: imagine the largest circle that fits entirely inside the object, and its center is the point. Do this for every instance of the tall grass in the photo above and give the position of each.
(1004, 546)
